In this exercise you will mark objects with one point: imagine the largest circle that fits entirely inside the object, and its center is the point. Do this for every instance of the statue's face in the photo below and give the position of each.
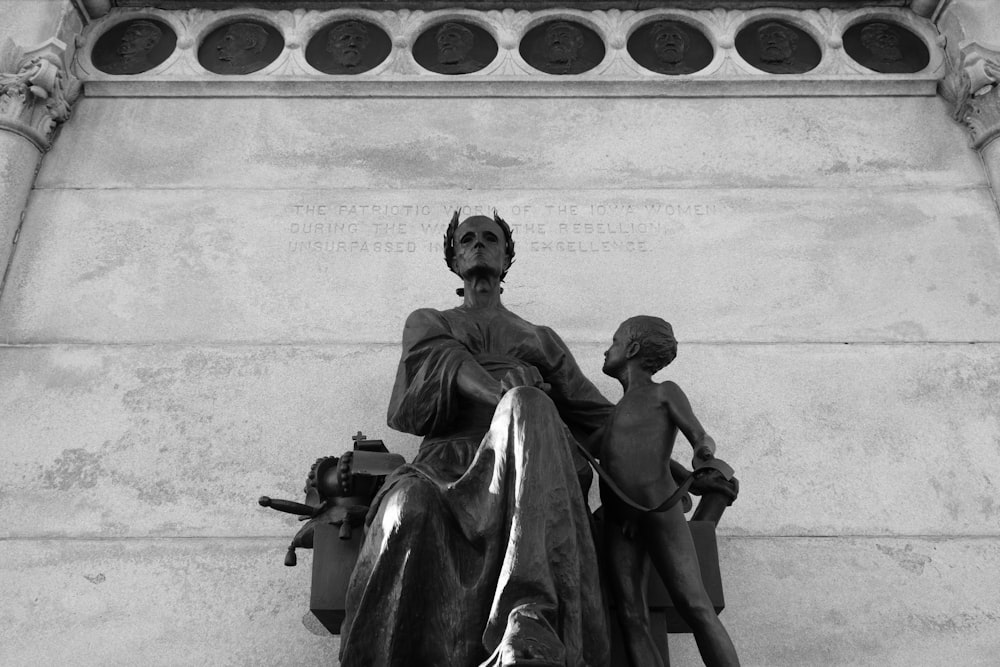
(453, 44)
(480, 247)
(347, 44)
(229, 46)
(669, 45)
(776, 43)
(615, 356)
(882, 41)
(562, 43)
(236, 44)
(137, 42)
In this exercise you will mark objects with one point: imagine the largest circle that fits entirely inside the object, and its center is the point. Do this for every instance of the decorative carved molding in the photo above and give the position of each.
(36, 90)
(925, 7)
(94, 8)
(618, 74)
(973, 88)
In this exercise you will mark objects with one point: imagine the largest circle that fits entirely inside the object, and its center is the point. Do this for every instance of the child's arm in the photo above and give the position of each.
(677, 404)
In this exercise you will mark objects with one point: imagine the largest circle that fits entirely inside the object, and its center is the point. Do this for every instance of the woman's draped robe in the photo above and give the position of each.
(487, 532)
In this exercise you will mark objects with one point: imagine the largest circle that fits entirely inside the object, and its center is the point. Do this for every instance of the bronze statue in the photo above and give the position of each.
(778, 44)
(669, 42)
(346, 44)
(882, 42)
(887, 48)
(137, 42)
(480, 552)
(563, 49)
(454, 44)
(635, 452)
(338, 491)
(241, 49)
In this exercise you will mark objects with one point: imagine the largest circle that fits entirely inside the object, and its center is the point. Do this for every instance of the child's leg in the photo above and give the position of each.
(628, 567)
(671, 550)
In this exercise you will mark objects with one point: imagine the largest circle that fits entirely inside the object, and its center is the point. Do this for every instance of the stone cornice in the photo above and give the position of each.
(98, 8)
(430, 5)
(36, 90)
(973, 88)
(618, 75)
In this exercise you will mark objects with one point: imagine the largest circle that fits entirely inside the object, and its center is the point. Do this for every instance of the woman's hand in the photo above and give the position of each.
(523, 376)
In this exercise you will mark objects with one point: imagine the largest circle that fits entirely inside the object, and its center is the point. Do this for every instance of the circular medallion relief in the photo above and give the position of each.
(670, 47)
(778, 47)
(562, 47)
(133, 47)
(348, 47)
(240, 47)
(886, 47)
(455, 47)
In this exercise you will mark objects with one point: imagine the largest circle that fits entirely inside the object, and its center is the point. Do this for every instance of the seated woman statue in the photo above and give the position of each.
(480, 552)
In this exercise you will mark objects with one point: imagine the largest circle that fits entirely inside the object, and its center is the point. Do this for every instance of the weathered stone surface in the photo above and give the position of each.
(790, 602)
(31, 23)
(865, 601)
(858, 439)
(157, 602)
(762, 264)
(180, 441)
(505, 143)
(973, 20)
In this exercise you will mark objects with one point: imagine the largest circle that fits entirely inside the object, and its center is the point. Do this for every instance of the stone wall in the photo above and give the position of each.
(208, 293)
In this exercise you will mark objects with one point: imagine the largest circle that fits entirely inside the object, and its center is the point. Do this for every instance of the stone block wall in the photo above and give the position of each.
(208, 293)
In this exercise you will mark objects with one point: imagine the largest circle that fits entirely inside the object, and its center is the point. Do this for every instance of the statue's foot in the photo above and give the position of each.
(528, 642)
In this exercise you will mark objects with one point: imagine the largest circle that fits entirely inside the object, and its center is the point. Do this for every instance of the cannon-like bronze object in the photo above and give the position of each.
(338, 491)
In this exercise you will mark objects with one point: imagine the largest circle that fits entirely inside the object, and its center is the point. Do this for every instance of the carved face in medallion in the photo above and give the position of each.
(139, 39)
(777, 43)
(347, 43)
(480, 247)
(454, 42)
(242, 44)
(669, 42)
(563, 42)
(882, 41)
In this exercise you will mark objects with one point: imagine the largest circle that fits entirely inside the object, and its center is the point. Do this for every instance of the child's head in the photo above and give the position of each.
(657, 345)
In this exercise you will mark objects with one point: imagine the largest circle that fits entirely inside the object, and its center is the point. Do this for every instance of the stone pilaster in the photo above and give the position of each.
(972, 82)
(36, 91)
(973, 88)
(36, 95)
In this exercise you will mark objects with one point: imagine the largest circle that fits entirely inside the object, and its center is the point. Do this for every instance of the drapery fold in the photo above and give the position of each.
(482, 546)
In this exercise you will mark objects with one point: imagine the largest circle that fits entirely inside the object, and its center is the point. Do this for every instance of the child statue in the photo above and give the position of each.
(635, 452)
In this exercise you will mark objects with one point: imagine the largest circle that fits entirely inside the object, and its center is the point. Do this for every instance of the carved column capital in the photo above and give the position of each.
(973, 88)
(37, 91)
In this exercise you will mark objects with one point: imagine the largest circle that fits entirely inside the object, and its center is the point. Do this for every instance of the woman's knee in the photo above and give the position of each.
(412, 501)
(527, 396)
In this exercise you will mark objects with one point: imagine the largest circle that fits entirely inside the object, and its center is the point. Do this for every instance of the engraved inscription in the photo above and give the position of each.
(323, 229)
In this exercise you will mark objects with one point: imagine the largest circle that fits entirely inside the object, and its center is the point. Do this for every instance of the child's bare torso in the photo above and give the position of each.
(637, 444)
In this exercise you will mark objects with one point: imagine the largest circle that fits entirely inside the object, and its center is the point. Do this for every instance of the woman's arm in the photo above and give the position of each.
(475, 383)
